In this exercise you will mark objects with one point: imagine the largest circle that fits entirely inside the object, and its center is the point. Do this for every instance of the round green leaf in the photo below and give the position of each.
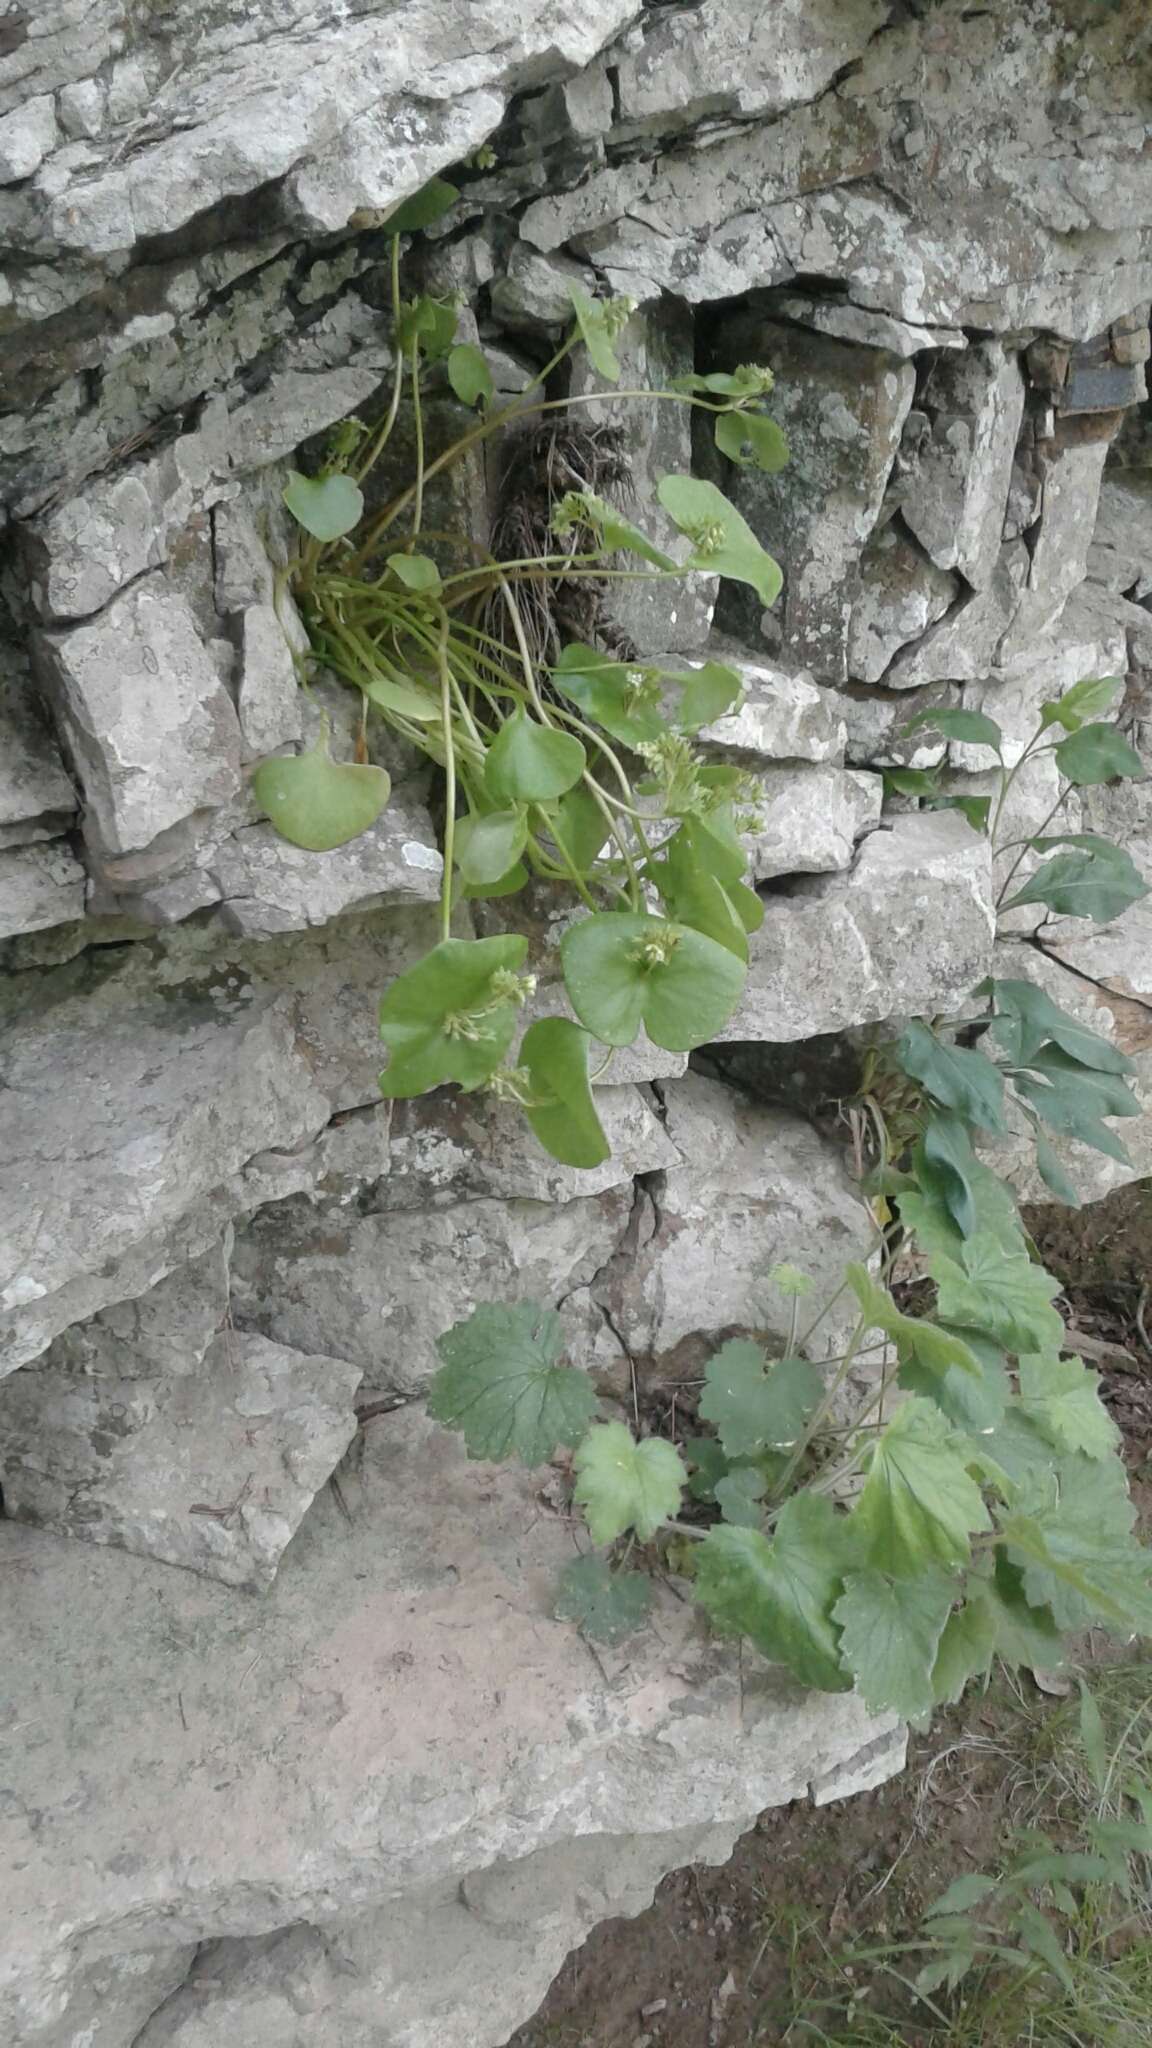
(449, 1018)
(595, 334)
(469, 375)
(319, 803)
(577, 824)
(623, 970)
(424, 207)
(709, 691)
(505, 885)
(327, 507)
(622, 1484)
(503, 1386)
(529, 763)
(723, 542)
(415, 572)
(487, 847)
(1096, 753)
(609, 692)
(752, 440)
(555, 1052)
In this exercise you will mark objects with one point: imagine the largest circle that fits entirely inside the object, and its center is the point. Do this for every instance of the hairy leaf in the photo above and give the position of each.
(966, 1082)
(754, 1406)
(623, 970)
(780, 1593)
(738, 1496)
(919, 1503)
(502, 1385)
(974, 1401)
(933, 1350)
(622, 1484)
(1072, 1532)
(1062, 1398)
(605, 1605)
(997, 1288)
(327, 507)
(891, 1634)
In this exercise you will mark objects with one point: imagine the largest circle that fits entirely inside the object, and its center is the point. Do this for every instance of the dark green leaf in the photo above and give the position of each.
(529, 763)
(891, 1635)
(1083, 883)
(709, 1462)
(780, 1593)
(945, 1163)
(752, 440)
(624, 1484)
(623, 970)
(605, 1605)
(1096, 753)
(975, 808)
(424, 207)
(966, 1082)
(501, 1384)
(1099, 1090)
(327, 507)
(319, 803)
(1052, 1173)
(1025, 1018)
(1071, 1113)
(453, 1016)
(738, 1496)
(563, 1115)
(974, 727)
(469, 375)
(723, 543)
(754, 1406)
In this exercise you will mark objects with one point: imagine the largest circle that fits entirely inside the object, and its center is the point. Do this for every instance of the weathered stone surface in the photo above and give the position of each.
(40, 885)
(83, 552)
(901, 595)
(105, 2003)
(964, 646)
(849, 322)
(877, 720)
(729, 63)
(298, 1796)
(907, 931)
(655, 348)
(26, 136)
(1071, 473)
(450, 1147)
(842, 409)
(164, 1333)
(213, 1470)
(954, 500)
(783, 717)
(153, 735)
(268, 696)
(809, 819)
(36, 797)
(532, 292)
(1120, 556)
(271, 886)
(1116, 957)
(1087, 640)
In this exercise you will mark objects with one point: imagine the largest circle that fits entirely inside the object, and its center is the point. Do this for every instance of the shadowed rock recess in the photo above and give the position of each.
(288, 1763)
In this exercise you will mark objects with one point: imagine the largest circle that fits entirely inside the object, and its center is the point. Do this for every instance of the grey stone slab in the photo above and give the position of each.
(268, 885)
(809, 818)
(955, 498)
(40, 885)
(33, 783)
(902, 594)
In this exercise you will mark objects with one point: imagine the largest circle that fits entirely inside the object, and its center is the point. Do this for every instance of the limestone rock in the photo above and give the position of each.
(901, 595)
(26, 136)
(153, 735)
(164, 1333)
(448, 1147)
(1087, 640)
(296, 1795)
(727, 63)
(1120, 556)
(849, 322)
(907, 931)
(40, 885)
(212, 1470)
(842, 409)
(532, 292)
(36, 797)
(84, 551)
(268, 698)
(809, 819)
(965, 645)
(955, 498)
(1071, 474)
(270, 886)
(783, 717)
(877, 720)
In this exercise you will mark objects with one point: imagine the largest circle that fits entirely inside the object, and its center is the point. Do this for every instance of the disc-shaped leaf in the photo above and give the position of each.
(605, 1605)
(577, 824)
(694, 897)
(891, 1635)
(594, 332)
(756, 1406)
(752, 440)
(452, 1016)
(780, 1593)
(563, 1114)
(327, 507)
(708, 693)
(1096, 753)
(428, 205)
(748, 380)
(995, 1287)
(609, 692)
(723, 542)
(530, 763)
(1090, 698)
(919, 1504)
(1025, 1018)
(623, 970)
(319, 803)
(502, 1385)
(415, 572)
(469, 375)
(624, 1484)
(489, 844)
(506, 885)
(964, 1081)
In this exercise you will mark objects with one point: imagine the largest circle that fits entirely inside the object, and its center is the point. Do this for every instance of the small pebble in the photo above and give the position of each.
(649, 2012)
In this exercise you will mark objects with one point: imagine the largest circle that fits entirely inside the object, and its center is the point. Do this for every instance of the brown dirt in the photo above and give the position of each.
(718, 1961)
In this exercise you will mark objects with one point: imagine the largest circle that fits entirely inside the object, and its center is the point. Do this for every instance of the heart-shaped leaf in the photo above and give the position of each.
(487, 847)
(723, 543)
(428, 325)
(319, 803)
(694, 897)
(415, 572)
(529, 763)
(621, 699)
(752, 440)
(453, 1016)
(708, 692)
(389, 693)
(577, 824)
(469, 375)
(424, 207)
(327, 507)
(563, 1115)
(622, 1484)
(623, 970)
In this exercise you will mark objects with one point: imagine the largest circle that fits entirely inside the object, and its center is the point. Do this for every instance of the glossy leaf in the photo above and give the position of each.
(624, 1484)
(624, 970)
(563, 1113)
(318, 803)
(780, 1593)
(891, 1636)
(613, 532)
(693, 897)
(327, 507)
(429, 204)
(963, 1081)
(452, 1016)
(723, 542)
(605, 1605)
(919, 1504)
(469, 375)
(488, 845)
(530, 763)
(1096, 753)
(501, 1384)
(755, 1406)
(752, 440)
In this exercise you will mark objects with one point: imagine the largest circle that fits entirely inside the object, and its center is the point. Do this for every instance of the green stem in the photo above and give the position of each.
(821, 1412)
(1026, 843)
(379, 440)
(418, 425)
(450, 784)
